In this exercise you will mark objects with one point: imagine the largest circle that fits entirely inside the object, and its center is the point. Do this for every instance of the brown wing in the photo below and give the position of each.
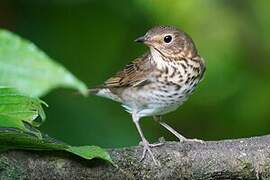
(134, 74)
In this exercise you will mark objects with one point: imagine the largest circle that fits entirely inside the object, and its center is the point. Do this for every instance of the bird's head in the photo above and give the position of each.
(169, 42)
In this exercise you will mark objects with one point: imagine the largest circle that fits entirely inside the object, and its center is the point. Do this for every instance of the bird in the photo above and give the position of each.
(157, 82)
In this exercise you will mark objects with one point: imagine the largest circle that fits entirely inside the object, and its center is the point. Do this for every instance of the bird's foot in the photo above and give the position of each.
(147, 149)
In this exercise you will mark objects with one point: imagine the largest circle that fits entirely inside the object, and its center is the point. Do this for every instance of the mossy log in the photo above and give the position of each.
(227, 159)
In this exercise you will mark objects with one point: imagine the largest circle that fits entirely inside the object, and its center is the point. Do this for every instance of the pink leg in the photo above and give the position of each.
(146, 145)
(174, 132)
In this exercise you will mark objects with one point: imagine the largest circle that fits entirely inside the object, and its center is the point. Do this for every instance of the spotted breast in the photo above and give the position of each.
(170, 84)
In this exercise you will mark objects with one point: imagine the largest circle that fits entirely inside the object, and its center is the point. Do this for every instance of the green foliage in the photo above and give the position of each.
(24, 66)
(18, 119)
(90, 152)
(19, 111)
(31, 72)
(14, 138)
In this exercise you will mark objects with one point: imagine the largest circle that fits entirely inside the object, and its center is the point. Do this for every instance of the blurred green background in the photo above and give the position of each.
(94, 39)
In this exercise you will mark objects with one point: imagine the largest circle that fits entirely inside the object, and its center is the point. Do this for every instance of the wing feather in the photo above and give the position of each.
(134, 74)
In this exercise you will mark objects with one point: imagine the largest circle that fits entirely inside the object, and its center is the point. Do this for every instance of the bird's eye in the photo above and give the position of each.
(168, 39)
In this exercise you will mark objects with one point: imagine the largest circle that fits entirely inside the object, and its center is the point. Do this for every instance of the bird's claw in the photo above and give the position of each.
(147, 148)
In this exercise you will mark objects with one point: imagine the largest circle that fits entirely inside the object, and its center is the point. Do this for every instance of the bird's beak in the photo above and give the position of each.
(141, 39)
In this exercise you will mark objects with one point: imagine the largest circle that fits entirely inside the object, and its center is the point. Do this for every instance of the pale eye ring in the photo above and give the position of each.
(167, 39)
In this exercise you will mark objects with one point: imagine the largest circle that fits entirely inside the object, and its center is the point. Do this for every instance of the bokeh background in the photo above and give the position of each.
(94, 39)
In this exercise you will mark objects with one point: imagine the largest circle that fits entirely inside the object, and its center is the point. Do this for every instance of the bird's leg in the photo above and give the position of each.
(174, 132)
(146, 145)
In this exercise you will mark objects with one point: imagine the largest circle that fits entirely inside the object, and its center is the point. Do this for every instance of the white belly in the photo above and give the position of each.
(154, 102)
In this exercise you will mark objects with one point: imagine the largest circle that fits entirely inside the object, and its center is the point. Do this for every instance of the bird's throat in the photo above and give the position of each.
(158, 59)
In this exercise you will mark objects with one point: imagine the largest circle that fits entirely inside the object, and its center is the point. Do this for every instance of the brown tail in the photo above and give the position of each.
(93, 90)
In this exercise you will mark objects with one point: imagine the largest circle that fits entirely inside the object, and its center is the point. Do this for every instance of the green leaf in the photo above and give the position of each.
(19, 111)
(12, 138)
(33, 73)
(90, 152)
(18, 119)
(15, 105)
(24, 66)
